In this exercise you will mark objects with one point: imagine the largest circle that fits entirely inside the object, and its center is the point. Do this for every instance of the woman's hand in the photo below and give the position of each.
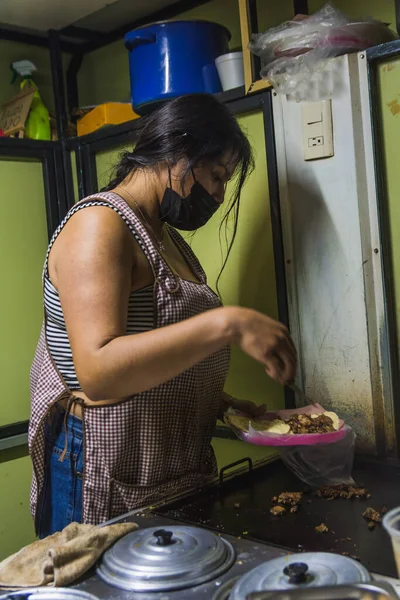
(265, 340)
(246, 407)
(249, 408)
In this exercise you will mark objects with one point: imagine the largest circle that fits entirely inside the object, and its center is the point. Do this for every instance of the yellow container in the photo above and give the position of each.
(111, 113)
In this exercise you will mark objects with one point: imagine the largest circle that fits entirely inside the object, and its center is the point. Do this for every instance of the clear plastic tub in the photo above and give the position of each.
(391, 523)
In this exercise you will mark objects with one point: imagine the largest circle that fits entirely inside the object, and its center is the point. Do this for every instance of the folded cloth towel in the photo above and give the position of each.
(61, 558)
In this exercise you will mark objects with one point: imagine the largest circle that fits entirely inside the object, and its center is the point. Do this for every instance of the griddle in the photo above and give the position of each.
(216, 507)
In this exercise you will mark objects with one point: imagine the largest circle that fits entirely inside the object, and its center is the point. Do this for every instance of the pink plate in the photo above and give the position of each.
(291, 439)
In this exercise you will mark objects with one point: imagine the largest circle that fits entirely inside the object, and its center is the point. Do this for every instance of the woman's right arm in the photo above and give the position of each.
(91, 267)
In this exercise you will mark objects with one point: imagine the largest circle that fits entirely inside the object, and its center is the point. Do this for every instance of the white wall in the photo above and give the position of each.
(334, 276)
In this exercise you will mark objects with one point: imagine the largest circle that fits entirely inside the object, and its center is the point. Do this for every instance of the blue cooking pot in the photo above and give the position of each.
(174, 58)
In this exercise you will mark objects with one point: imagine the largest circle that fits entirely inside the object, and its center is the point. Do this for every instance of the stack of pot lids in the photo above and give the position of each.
(312, 569)
(149, 560)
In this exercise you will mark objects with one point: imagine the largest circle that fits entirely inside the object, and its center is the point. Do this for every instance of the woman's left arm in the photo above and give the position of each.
(245, 406)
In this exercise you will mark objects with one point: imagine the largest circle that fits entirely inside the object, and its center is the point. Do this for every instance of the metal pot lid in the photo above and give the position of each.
(309, 569)
(49, 593)
(158, 560)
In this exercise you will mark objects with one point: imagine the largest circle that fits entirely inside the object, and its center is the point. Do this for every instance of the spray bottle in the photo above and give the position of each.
(37, 125)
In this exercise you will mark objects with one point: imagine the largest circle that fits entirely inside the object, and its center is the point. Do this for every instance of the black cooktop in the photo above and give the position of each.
(241, 507)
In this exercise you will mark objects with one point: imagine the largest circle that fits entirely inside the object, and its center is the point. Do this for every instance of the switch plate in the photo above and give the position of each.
(317, 129)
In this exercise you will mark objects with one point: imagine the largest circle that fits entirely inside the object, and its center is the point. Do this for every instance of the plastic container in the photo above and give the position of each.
(391, 522)
(294, 54)
(172, 59)
(111, 113)
(230, 70)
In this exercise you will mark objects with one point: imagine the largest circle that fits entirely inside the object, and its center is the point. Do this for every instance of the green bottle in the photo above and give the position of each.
(37, 126)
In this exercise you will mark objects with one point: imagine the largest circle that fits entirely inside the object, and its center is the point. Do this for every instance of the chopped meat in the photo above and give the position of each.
(301, 424)
(277, 511)
(321, 528)
(294, 509)
(342, 491)
(372, 515)
(371, 525)
(288, 498)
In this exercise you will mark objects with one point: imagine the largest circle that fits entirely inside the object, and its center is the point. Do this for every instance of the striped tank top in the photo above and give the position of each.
(140, 315)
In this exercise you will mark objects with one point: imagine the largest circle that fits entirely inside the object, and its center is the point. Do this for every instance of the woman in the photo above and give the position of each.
(128, 376)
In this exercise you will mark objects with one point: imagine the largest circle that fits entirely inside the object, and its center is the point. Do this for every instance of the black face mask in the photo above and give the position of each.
(187, 213)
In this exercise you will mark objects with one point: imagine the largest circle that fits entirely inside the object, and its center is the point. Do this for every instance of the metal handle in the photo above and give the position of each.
(164, 537)
(222, 472)
(297, 572)
(139, 39)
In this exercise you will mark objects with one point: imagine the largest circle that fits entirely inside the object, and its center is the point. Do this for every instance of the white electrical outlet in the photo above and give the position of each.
(317, 129)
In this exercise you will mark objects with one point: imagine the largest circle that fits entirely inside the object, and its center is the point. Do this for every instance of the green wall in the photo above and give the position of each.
(378, 9)
(23, 243)
(16, 525)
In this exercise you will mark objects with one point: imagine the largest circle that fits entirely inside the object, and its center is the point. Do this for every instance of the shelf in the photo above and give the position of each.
(14, 435)
(384, 51)
(133, 127)
(115, 135)
(125, 133)
(23, 148)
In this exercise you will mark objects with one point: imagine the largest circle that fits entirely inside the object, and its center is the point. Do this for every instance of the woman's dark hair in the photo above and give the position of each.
(196, 127)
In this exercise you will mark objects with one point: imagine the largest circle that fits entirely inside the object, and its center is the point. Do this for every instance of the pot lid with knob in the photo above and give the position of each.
(306, 570)
(159, 560)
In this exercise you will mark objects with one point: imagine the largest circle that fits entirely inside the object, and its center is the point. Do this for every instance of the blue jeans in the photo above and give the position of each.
(61, 499)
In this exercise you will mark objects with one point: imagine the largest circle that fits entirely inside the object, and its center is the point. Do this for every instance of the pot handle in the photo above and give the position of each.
(139, 39)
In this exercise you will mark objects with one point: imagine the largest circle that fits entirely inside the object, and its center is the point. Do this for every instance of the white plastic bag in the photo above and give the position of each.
(294, 53)
(329, 464)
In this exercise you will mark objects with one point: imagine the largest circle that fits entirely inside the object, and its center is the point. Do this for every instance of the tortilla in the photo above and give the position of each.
(275, 426)
(241, 423)
(332, 415)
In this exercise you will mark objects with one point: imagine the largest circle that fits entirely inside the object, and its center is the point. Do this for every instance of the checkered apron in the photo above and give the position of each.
(154, 444)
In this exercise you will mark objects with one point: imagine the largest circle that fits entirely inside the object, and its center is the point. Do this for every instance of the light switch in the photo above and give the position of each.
(317, 129)
(312, 113)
